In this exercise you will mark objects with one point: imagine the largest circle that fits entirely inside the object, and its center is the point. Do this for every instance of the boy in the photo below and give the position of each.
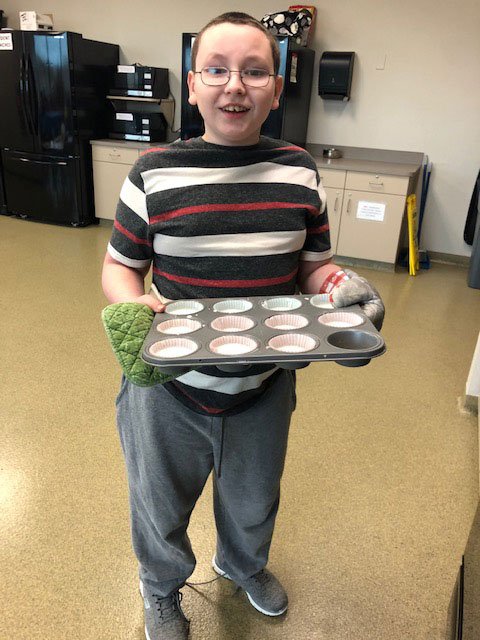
(228, 214)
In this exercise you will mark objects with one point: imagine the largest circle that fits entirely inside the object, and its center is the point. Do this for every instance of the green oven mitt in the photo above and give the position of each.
(127, 325)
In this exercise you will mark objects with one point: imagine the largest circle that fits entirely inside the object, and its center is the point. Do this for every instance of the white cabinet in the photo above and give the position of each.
(111, 165)
(365, 212)
(333, 182)
(372, 215)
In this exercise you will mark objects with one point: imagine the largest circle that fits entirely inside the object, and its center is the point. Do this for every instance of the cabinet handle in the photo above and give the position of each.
(348, 204)
(377, 184)
(335, 205)
(114, 155)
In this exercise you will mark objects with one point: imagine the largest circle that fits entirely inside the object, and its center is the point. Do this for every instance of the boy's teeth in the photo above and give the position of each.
(234, 108)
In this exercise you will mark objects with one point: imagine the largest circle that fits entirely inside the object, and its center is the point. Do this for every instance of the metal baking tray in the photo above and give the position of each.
(232, 333)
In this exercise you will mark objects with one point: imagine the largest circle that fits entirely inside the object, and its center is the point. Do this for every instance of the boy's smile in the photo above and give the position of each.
(233, 112)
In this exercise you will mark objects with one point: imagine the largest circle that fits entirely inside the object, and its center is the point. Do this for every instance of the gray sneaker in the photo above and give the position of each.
(263, 590)
(164, 618)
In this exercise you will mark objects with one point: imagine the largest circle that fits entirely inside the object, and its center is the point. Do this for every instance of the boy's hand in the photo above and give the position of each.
(150, 301)
(347, 287)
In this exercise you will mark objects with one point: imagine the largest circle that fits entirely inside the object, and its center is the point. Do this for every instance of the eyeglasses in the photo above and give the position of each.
(216, 76)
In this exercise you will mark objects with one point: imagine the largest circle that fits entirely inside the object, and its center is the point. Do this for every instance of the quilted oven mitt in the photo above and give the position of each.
(127, 325)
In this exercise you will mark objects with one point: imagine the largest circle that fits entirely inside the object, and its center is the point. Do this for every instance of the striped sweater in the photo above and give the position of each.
(220, 221)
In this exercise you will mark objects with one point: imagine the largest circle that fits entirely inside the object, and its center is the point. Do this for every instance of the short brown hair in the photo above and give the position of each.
(237, 17)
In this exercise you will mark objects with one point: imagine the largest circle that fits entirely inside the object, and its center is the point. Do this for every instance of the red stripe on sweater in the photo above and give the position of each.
(248, 206)
(201, 282)
(154, 149)
(291, 148)
(202, 406)
(130, 235)
(324, 227)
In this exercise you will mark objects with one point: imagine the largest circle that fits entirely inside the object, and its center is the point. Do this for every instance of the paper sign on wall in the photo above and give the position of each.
(371, 211)
(6, 42)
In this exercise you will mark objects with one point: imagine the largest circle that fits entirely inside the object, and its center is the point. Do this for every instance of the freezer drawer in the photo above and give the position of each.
(43, 189)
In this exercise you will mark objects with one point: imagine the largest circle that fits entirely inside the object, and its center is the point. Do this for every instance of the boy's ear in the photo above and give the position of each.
(192, 98)
(278, 92)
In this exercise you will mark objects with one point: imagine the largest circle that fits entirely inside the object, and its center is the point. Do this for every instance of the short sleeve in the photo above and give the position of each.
(130, 243)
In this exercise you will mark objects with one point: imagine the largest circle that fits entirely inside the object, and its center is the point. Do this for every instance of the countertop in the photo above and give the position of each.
(382, 161)
(389, 162)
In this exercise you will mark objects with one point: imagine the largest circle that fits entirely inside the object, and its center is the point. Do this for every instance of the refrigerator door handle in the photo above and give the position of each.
(27, 97)
(32, 95)
(23, 94)
(64, 164)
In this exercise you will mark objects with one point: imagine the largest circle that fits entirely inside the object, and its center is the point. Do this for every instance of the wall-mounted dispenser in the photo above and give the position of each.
(335, 75)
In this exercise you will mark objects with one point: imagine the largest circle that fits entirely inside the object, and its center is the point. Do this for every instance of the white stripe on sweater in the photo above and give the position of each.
(238, 244)
(230, 386)
(129, 262)
(261, 172)
(134, 198)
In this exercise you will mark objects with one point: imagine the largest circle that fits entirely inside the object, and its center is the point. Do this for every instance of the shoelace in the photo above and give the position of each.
(169, 607)
(261, 577)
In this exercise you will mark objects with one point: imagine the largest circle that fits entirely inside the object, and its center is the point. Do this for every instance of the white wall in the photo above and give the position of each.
(427, 98)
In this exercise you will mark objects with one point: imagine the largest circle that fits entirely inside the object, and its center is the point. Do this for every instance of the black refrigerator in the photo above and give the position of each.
(288, 122)
(52, 103)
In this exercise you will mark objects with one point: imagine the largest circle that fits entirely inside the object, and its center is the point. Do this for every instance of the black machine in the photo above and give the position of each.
(138, 81)
(131, 124)
(51, 105)
(136, 99)
(288, 122)
(335, 75)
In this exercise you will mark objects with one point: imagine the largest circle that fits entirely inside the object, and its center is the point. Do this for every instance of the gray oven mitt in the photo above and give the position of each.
(357, 290)
(127, 325)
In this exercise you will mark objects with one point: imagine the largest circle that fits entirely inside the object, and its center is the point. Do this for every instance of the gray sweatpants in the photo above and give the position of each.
(169, 453)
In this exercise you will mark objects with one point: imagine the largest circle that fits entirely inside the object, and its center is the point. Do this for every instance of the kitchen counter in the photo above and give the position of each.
(398, 163)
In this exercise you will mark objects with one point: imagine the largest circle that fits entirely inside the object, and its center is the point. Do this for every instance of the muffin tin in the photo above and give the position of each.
(232, 334)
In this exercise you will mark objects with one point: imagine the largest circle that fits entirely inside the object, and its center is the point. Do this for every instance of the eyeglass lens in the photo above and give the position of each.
(250, 77)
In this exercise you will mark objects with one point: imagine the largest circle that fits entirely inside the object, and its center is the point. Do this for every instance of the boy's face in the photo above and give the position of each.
(235, 47)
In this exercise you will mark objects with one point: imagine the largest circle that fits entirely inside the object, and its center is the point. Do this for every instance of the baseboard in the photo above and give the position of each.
(470, 404)
(104, 222)
(449, 258)
(360, 262)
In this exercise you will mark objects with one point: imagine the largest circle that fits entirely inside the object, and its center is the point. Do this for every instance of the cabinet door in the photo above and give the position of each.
(108, 179)
(370, 226)
(334, 205)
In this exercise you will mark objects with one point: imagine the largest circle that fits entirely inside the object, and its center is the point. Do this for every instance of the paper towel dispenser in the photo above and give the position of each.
(335, 75)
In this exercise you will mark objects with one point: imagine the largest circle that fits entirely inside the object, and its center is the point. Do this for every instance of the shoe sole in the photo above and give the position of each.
(272, 614)
(140, 586)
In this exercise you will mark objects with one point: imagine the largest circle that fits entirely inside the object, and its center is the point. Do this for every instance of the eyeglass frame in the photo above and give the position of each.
(230, 71)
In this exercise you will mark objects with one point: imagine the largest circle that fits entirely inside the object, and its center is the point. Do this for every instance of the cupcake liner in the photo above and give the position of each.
(179, 326)
(233, 345)
(322, 301)
(173, 348)
(232, 306)
(184, 307)
(341, 319)
(282, 304)
(293, 343)
(232, 324)
(286, 322)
